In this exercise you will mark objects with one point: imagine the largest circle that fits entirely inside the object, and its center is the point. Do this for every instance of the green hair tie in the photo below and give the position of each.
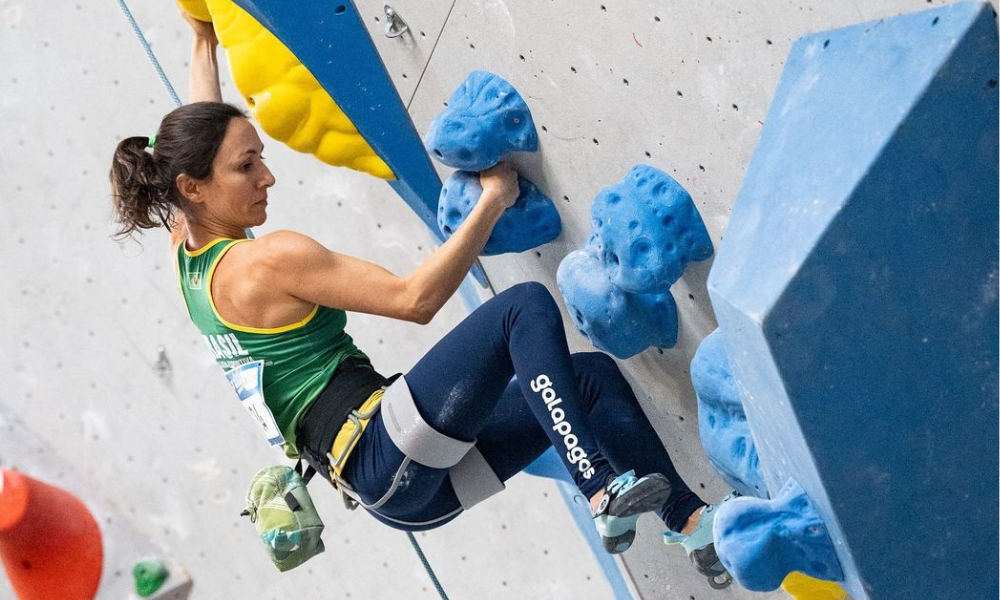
(152, 141)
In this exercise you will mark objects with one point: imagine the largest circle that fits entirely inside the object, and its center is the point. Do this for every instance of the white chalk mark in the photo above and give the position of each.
(12, 14)
(208, 469)
(95, 426)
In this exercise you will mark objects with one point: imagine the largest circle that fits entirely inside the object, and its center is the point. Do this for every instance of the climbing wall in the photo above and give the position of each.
(681, 86)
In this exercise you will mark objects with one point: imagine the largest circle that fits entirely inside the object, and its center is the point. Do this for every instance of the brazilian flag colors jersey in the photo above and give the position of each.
(295, 361)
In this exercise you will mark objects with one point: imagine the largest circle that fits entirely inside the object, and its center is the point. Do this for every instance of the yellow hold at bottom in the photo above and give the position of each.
(286, 100)
(804, 587)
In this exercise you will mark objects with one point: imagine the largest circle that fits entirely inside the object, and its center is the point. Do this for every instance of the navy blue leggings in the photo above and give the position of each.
(580, 404)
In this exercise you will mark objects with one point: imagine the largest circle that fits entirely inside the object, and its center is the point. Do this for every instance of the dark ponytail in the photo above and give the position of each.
(143, 179)
(141, 202)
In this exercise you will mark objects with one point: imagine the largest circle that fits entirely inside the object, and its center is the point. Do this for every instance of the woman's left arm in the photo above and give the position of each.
(204, 76)
(204, 87)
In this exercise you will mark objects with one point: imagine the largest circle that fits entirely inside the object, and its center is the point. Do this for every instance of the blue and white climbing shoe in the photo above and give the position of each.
(700, 546)
(625, 498)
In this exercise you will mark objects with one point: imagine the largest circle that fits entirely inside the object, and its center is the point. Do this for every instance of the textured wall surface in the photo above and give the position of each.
(683, 87)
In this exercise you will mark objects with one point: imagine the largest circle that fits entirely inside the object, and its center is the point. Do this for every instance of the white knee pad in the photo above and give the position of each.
(471, 476)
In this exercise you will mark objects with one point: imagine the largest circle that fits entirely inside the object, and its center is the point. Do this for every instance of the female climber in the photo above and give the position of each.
(273, 308)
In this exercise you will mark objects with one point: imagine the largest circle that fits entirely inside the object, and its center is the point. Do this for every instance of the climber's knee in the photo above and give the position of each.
(535, 299)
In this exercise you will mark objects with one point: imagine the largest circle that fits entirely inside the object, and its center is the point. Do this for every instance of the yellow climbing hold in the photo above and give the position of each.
(287, 101)
(804, 587)
(196, 8)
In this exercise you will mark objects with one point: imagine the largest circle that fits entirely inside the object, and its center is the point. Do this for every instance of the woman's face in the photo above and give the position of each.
(236, 193)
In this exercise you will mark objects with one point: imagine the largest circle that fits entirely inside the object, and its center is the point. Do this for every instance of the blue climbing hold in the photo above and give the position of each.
(531, 222)
(650, 230)
(722, 422)
(485, 120)
(616, 321)
(761, 541)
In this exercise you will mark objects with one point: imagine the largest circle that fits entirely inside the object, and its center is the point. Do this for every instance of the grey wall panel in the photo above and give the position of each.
(682, 86)
(406, 56)
(83, 319)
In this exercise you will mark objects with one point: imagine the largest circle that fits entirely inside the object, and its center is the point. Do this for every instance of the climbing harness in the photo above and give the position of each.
(471, 476)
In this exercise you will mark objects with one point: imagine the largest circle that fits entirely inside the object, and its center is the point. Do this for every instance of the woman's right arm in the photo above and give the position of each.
(302, 268)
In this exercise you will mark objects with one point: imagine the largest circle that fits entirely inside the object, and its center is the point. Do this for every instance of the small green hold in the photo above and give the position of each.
(149, 576)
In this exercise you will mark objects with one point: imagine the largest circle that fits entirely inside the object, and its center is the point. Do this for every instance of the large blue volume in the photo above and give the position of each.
(856, 291)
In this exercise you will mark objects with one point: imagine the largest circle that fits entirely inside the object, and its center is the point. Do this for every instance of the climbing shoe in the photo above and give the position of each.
(625, 498)
(700, 546)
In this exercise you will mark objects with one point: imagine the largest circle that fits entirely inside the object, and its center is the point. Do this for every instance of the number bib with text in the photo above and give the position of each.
(247, 380)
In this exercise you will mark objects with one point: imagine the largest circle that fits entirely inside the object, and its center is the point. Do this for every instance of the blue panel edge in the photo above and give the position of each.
(355, 76)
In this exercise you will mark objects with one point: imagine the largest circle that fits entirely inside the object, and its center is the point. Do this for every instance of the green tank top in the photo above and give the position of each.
(298, 359)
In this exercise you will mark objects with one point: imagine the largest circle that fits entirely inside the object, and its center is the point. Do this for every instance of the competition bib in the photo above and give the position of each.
(247, 380)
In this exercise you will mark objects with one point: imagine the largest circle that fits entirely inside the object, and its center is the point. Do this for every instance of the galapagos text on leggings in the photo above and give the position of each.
(575, 454)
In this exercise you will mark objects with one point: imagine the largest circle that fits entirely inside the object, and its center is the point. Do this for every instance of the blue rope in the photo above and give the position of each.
(427, 566)
(149, 52)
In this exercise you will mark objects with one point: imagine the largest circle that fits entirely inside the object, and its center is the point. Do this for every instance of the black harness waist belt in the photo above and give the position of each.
(352, 384)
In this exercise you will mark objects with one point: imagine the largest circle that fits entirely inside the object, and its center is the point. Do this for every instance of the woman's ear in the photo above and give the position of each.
(189, 187)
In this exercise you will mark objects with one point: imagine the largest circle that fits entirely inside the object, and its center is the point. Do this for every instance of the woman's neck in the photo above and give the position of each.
(201, 234)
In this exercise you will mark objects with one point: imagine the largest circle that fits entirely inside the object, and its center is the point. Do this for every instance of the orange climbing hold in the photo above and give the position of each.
(50, 544)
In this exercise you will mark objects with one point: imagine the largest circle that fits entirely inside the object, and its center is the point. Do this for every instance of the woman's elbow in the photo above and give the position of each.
(422, 318)
(422, 314)
(421, 304)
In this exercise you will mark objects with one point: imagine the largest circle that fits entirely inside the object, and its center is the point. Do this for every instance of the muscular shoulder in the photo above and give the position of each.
(264, 264)
(284, 252)
(288, 244)
(255, 282)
